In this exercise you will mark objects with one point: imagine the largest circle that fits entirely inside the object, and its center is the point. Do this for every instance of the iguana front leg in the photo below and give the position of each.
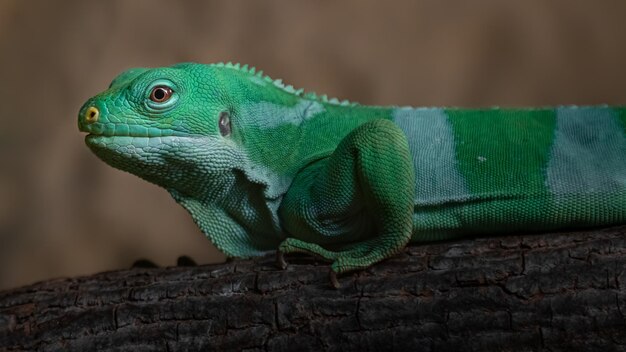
(355, 207)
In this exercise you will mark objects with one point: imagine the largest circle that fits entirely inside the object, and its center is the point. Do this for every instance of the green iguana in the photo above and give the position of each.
(262, 166)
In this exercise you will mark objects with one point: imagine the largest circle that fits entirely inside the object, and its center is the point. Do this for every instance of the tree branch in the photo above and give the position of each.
(553, 291)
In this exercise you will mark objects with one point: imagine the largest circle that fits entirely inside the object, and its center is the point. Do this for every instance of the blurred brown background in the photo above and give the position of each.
(63, 212)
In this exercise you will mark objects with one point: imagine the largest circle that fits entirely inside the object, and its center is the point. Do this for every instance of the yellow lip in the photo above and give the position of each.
(92, 114)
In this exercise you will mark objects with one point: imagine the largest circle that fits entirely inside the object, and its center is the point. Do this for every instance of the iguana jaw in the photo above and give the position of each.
(173, 162)
(124, 130)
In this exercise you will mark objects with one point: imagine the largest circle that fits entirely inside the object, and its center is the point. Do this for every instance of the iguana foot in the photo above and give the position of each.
(293, 245)
(282, 264)
(357, 257)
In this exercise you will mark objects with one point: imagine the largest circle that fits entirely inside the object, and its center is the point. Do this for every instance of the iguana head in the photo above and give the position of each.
(166, 125)
(190, 128)
(183, 126)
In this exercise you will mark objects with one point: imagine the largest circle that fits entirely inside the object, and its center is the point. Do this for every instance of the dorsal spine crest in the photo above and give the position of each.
(287, 88)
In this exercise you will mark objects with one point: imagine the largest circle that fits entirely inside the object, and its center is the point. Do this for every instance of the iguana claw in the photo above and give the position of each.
(333, 279)
(280, 260)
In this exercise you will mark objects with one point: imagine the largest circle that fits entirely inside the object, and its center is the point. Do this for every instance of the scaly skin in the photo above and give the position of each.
(261, 166)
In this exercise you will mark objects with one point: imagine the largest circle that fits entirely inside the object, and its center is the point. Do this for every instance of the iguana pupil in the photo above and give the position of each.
(160, 94)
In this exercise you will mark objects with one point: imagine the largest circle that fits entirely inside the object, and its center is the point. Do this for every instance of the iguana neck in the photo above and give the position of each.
(281, 130)
(202, 169)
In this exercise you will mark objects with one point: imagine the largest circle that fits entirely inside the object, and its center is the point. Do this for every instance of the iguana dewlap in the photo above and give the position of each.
(261, 166)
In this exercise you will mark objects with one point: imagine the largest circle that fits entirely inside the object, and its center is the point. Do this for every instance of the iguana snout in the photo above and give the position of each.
(92, 118)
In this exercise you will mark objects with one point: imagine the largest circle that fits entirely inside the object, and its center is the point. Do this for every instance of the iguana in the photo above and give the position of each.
(262, 166)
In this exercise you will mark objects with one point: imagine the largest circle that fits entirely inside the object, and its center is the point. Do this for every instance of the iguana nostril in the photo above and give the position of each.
(92, 114)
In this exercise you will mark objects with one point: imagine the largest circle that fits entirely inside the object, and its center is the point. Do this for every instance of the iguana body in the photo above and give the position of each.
(261, 166)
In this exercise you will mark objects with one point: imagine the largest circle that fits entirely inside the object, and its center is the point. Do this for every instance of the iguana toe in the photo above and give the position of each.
(281, 263)
(333, 279)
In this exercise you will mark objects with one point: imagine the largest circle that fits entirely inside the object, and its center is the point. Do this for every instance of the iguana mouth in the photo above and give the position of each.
(102, 140)
(124, 130)
(92, 122)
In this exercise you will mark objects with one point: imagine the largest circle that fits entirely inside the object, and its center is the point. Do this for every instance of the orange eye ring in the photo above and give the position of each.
(161, 94)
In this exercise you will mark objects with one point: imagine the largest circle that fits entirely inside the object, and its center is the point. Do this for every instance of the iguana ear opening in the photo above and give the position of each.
(224, 123)
(127, 76)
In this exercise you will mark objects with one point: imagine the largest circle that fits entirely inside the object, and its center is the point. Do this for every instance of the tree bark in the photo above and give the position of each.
(558, 291)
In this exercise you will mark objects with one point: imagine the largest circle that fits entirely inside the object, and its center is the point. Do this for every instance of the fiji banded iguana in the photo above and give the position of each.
(262, 166)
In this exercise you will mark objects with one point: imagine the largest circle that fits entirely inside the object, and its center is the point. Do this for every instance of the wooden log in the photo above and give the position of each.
(560, 291)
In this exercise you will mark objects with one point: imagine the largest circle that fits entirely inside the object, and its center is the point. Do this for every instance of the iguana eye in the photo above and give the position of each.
(160, 94)
(224, 123)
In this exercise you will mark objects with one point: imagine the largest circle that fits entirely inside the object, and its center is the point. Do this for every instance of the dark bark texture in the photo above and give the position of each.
(559, 291)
